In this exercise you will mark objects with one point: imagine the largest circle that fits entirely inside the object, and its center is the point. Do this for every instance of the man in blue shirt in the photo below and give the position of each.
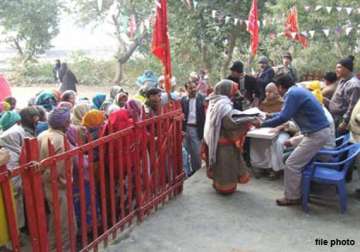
(301, 106)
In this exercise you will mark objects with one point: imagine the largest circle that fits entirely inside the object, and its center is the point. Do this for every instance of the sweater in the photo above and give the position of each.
(301, 106)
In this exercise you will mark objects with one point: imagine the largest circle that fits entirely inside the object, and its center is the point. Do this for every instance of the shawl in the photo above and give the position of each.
(219, 107)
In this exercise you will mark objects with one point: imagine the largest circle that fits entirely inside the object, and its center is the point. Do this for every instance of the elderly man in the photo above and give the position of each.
(346, 95)
(301, 106)
(59, 121)
(12, 140)
(265, 75)
(267, 155)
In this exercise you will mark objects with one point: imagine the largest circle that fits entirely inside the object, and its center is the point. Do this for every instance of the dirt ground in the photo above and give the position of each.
(23, 94)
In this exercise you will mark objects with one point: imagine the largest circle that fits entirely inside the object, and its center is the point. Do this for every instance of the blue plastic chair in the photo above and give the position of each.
(341, 142)
(330, 173)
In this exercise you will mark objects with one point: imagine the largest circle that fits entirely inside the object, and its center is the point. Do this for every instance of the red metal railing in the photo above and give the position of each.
(85, 195)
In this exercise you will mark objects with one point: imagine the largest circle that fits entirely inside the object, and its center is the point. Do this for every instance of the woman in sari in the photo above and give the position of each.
(91, 122)
(224, 135)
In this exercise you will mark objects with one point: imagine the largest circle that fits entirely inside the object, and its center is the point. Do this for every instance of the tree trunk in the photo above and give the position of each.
(18, 48)
(119, 75)
(124, 57)
(205, 58)
(229, 54)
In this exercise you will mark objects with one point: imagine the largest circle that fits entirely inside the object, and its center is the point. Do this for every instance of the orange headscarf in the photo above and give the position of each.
(93, 119)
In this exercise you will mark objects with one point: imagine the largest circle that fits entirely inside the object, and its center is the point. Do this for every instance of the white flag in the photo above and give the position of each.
(329, 9)
(293, 35)
(349, 10)
(304, 33)
(236, 21)
(348, 30)
(326, 32)
(213, 14)
(312, 33)
(339, 9)
(195, 4)
(247, 23)
(264, 22)
(100, 4)
(227, 19)
(318, 7)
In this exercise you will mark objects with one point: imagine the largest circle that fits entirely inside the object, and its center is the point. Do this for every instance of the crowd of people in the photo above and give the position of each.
(306, 116)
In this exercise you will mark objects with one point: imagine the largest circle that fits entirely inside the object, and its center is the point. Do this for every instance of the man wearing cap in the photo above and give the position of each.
(265, 75)
(59, 121)
(194, 121)
(346, 95)
(287, 67)
(249, 94)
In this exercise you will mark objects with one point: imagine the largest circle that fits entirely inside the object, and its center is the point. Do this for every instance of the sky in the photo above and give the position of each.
(72, 37)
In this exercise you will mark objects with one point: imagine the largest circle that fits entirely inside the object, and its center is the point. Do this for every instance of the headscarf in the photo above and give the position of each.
(98, 100)
(57, 94)
(93, 119)
(148, 78)
(59, 118)
(12, 101)
(119, 96)
(79, 112)
(105, 106)
(65, 104)
(120, 120)
(9, 119)
(134, 108)
(220, 105)
(319, 96)
(114, 90)
(67, 94)
(4, 106)
(314, 85)
(46, 99)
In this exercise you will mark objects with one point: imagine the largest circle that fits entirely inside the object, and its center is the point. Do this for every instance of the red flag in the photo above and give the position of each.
(160, 41)
(253, 27)
(292, 28)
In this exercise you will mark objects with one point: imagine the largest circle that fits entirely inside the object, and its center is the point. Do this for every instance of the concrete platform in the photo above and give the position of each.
(201, 220)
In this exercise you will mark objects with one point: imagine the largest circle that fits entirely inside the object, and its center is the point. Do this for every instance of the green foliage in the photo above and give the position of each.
(89, 71)
(29, 25)
(24, 74)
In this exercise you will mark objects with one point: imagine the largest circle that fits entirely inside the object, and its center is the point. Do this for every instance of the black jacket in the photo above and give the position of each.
(251, 90)
(265, 78)
(200, 113)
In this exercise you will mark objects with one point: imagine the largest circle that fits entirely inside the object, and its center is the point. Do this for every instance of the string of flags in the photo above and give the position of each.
(329, 9)
(326, 31)
(218, 15)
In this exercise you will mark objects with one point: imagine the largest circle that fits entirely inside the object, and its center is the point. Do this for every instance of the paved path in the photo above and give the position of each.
(201, 220)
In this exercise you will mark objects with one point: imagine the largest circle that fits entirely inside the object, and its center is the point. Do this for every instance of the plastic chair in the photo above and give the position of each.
(330, 173)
